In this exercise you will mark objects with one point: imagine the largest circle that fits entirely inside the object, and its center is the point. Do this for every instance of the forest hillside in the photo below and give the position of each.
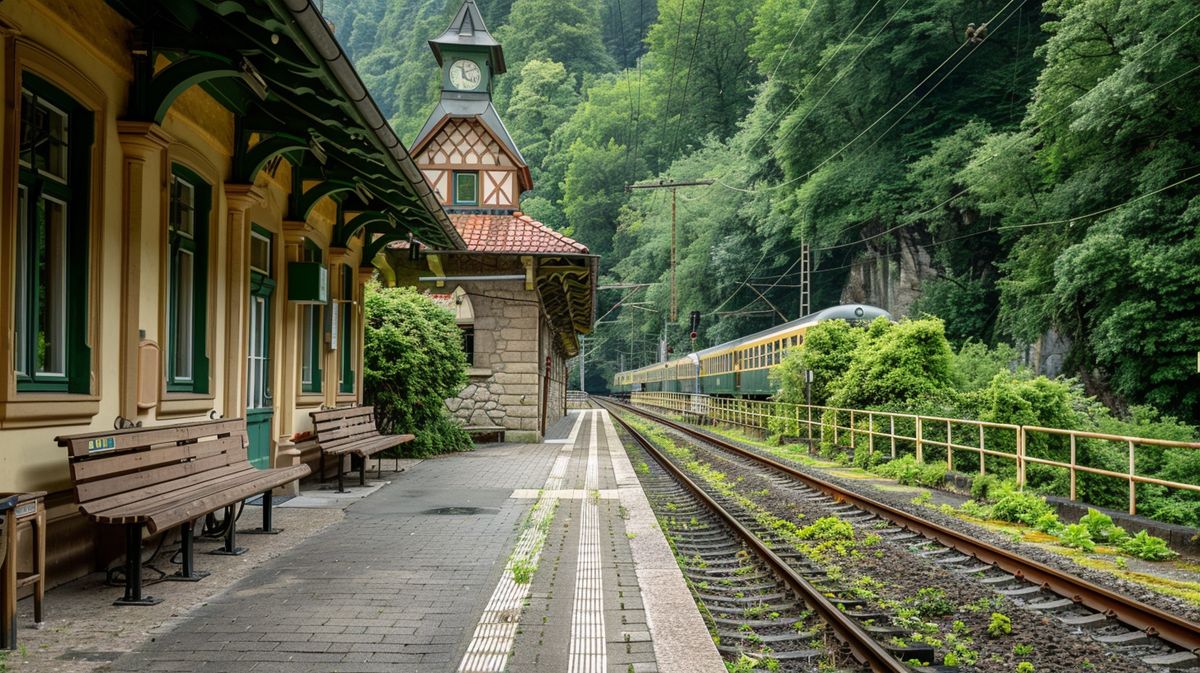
(1038, 186)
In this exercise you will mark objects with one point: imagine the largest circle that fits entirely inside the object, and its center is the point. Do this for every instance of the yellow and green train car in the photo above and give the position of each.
(741, 367)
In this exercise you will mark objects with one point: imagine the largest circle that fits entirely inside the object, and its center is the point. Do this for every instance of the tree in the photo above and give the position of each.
(543, 99)
(413, 362)
(827, 352)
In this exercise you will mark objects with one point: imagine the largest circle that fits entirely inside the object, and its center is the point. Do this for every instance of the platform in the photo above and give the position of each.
(434, 572)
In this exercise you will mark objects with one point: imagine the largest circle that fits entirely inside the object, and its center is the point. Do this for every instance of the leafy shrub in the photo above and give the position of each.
(1024, 667)
(1001, 625)
(1078, 536)
(827, 528)
(1048, 523)
(1101, 527)
(828, 349)
(413, 361)
(1020, 507)
(972, 508)
(896, 362)
(932, 602)
(907, 471)
(1148, 547)
(984, 485)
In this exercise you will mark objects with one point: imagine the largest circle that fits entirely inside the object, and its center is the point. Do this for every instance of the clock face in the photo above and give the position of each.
(464, 74)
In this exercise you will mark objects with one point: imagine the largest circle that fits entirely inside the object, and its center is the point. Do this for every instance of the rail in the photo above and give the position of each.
(863, 647)
(1153, 621)
(893, 432)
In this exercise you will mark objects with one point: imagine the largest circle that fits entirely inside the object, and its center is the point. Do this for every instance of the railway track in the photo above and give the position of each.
(762, 603)
(1162, 640)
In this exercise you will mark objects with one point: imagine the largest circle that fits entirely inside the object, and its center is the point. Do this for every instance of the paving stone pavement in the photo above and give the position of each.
(399, 587)
(392, 588)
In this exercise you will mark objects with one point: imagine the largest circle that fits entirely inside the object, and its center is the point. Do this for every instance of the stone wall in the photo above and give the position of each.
(505, 383)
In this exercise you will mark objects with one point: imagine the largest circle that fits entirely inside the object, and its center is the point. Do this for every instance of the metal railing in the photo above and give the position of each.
(578, 399)
(883, 431)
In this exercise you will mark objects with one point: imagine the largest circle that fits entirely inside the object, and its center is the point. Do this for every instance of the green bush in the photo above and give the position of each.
(413, 362)
(984, 485)
(896, 362)
(1078, 536)
(827, 528)
(1000, 625)
(828, 349)
(1048, 523)
(1147, 547)
(1102, 529)
(907, 471)
(1020, 507)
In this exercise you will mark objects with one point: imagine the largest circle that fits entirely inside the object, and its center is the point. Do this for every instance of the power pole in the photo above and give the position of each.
(805, 271)
(672, 185)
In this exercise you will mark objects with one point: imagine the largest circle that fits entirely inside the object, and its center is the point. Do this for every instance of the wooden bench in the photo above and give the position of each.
(351, 431)
(480, 433)
(167, 476)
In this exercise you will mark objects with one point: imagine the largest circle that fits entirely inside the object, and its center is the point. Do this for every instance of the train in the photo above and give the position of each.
(738, 368)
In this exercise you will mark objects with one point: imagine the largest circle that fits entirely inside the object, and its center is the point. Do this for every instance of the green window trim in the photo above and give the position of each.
(187, 282)
(466, 188)
(346, 343)
(51, 351)
(311, 332)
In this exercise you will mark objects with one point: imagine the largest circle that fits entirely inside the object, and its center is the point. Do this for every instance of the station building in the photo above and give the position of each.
(193, 193)
(522, 291)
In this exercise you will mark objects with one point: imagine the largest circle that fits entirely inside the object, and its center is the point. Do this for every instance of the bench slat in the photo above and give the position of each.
(181, 495)
(197, 508)
(145, 497)
(136, 438)
(88, 470)
(135, 481)
(341, 412)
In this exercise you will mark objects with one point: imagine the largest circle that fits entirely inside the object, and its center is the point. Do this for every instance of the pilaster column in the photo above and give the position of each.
(239, 198)
(365, 275)
(287, 394)
(143, 146)
(338, 257)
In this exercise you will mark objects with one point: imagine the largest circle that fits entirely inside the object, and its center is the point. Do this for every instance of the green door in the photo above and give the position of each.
(259, 404)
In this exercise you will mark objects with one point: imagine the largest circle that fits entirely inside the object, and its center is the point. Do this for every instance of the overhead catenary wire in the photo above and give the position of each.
(881, 117)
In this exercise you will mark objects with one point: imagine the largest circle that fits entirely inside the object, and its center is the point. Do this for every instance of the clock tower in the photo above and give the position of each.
(464, 150)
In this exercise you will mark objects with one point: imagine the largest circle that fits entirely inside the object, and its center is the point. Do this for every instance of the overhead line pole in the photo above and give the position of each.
(672, 185)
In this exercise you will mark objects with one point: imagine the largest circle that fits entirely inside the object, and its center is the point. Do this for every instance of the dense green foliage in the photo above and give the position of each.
(413, 361)
(910, 367)
(1046, 175)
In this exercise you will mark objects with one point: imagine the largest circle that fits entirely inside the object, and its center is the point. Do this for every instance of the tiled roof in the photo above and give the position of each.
(514, 234)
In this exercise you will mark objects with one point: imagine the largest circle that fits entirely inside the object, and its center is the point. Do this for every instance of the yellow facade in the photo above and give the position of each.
(81, 47)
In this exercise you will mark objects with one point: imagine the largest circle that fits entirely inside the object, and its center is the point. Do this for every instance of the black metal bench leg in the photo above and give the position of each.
(133, 569)
(268, 518)
(362, 470)
(187, 572)
(341, 470)
(230, 548)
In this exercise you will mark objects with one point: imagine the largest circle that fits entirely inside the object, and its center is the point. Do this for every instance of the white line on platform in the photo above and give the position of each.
(497, 629)
(587, 653)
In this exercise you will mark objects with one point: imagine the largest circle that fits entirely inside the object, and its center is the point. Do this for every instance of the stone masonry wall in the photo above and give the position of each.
(505, 383)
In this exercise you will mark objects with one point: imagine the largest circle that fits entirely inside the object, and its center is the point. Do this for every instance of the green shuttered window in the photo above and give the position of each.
(51, 264)
(311, 330)
(187, 282)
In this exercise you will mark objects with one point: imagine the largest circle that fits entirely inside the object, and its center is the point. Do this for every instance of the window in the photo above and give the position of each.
(468, 343)
(311, 330)
(50, 321)
(346, 342)
(187, 282)
(466, 188)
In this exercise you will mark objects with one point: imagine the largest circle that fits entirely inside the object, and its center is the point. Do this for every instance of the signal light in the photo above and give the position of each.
(693, 335)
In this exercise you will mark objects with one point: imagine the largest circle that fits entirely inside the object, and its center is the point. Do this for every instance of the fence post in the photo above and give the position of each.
(1072, 466)
(920, 449)
(852, 430)
(981, 468)
(892, 433)
(949, 451)
(1021, 439)
(870, 434)
(1132, 484)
